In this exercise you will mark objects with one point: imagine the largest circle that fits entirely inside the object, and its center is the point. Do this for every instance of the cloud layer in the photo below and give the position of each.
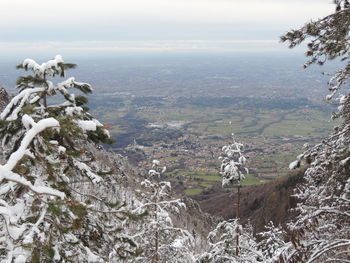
(153, 19)
(150, 25)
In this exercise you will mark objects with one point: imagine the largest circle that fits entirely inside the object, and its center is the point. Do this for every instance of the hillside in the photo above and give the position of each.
(259, 203)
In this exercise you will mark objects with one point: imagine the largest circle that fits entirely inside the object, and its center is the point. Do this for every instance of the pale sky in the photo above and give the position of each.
(137, 25)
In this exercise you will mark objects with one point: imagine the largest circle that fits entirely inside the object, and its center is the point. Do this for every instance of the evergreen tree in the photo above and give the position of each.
(321, 232)
(157, 235)
(223, 245)
(230, 241)
(232, 171)
(272, 243)
(56, 199)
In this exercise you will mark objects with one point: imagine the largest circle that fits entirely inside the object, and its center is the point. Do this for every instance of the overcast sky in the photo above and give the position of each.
(138, 25)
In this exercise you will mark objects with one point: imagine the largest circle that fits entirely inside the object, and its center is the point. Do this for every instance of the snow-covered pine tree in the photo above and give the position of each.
(272, 243)
(232, 170)
(56, 199)
(223, 246)
(230, 241)
(321, 233)
(158, 237)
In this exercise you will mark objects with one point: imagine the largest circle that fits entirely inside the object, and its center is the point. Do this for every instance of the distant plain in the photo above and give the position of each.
(269, 101)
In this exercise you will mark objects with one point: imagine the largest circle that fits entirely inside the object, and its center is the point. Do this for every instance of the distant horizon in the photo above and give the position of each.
(48, 49)
(42, 28)
(94, 69)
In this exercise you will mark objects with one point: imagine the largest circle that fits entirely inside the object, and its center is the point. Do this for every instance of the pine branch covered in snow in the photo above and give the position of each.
(321, 232)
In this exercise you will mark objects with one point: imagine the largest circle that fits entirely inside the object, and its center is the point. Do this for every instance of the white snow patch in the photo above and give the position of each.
(86, 169)
(20, 259)
(92, 257)
(70, 111)
(87, 125)
(61, 149)
(294, 165)
(177, 243)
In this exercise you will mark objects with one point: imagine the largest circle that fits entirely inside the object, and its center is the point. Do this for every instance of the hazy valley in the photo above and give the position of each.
(182, 109)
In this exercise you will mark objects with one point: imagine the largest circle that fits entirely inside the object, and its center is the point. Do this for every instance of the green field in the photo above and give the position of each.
(193, 191)
(197, 181)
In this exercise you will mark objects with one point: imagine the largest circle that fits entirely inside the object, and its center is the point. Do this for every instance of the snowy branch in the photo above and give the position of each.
(6, 172)
(21, 98)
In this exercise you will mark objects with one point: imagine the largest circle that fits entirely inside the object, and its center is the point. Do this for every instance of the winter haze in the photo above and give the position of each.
(88, 28)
